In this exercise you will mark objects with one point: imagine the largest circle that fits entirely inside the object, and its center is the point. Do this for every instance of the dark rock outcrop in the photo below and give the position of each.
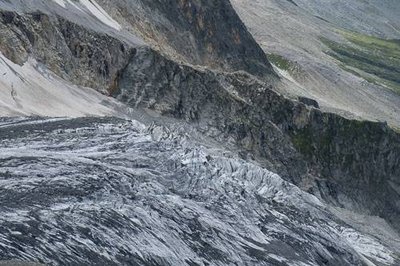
(75, 53)
(199, 32)
(196, 31)
(358, 162)
(350, 163)
(309, 102)
(322, 152)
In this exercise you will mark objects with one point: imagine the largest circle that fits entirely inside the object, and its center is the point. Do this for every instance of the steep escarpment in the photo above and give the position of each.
(217, 168)
(357, 161)
(80, 43)
(73, 52)
(196, 95)
(199, 32)
(349, 163)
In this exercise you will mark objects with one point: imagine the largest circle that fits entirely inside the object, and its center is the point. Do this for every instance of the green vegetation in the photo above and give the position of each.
(281, 62)
(374, 59)
(303, 141)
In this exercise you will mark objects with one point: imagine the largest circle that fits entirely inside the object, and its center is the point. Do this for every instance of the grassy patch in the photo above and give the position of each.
(281, 62)
(303, 141)
(374, 59)
(373, 79)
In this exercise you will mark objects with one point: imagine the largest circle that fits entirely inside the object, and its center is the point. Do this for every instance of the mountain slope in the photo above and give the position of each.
(80, 42)
(227, 164)
(372, 17)
(294, 32)
(197, 32)
(28, 89)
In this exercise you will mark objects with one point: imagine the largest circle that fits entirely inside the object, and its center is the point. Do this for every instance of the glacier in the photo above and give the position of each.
(109, 191)
(131, 133)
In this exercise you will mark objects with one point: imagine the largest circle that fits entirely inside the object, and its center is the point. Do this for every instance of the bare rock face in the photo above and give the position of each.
(86, 57)
(67, 43)
(199, 32)
(309, 102)
(304, 145)
(203, 180)
(14, 43)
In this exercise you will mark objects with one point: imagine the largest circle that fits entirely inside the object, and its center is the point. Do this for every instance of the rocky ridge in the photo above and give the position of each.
(346, 163)
(328, 154)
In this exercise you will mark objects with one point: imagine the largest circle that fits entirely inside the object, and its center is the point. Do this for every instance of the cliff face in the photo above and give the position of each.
(194, 63)
(358, 161)
(350, 163)
(322, 146)
(71, 51)
(198, 32)
(80, 46)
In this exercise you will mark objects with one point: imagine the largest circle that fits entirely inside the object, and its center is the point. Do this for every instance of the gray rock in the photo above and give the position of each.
(309, 102)
(302, 145)
(75, 53)
(19, 263)
(199, 32)
(148, 188)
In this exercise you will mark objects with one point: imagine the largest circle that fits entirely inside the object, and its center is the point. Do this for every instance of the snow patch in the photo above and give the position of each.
(60, 2)
(94, 9)
(100, 13)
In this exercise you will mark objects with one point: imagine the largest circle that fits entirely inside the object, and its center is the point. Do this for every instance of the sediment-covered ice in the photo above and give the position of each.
(105, 191)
